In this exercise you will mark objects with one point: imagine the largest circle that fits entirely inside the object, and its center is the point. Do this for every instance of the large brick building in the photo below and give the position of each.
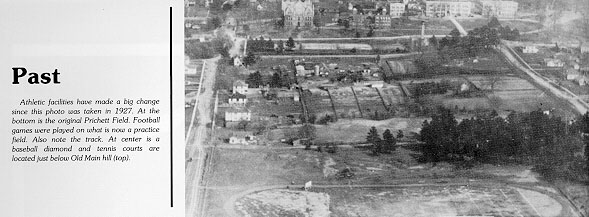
(298, 13)
(499, 8)
(396, 9)
(448, 8)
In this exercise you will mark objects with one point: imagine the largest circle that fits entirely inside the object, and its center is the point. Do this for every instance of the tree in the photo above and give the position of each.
(587, 155)
(279, 23)
(389, 141)
(222, 43)
(455, 33)
(346, 23)
(290, 43)
(254, 80)
(249, 59)
(198, 50)
(400, 134)
(374, 139)
(317, 20)
(280, 46)
(275, 81)
(227, 6)
(373, 136)
(216, 5)
(214, 23)
(370, 33)
(242, 125)
(583, 127)
(358, 35)
(440, 136)
(494, 22)
(307, 131)
(433, 41)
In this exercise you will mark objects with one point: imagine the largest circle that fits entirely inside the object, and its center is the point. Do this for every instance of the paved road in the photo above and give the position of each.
(458, 26)
(559, 91)
(194, 142)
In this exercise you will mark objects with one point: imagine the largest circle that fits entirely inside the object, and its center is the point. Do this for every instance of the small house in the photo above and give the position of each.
(582, 80)
(240, 86)
(585, 49)
(530, 49)
(237, 114)
(242, 138)
(572, 74)
(551, 62)
(237, 61)
(237, 99)
(307, 69)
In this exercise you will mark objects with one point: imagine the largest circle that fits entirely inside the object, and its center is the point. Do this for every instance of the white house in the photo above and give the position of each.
(585, 49)
(237, 99)
(396, 9)
(238, 114)
(240, 86)
(237, 61)
(550, 62)
(242, 138)
(530, 49)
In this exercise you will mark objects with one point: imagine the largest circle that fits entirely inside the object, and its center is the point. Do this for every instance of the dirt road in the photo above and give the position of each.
(550, 85)
(195, 139)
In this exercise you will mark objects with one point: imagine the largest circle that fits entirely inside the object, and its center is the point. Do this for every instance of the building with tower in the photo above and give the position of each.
(298, 13)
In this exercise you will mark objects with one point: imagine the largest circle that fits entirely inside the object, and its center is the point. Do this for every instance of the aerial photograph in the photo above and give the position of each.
(386, 108)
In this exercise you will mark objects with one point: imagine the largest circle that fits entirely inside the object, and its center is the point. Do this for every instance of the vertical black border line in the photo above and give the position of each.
(171, 123)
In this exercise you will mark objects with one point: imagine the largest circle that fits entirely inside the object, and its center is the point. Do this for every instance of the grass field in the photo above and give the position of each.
(441, 201)
(521, 26)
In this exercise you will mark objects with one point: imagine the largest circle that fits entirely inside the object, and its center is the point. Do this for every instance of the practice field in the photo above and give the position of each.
(442, 201)
(426, 201)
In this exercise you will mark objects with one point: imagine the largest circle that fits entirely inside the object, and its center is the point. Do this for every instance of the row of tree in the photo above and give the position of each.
(535, 137)
(263, 45)
(504, 32)
(204, 50)
(277, 80)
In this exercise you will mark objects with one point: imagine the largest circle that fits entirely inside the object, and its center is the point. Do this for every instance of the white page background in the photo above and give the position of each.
(102, 49)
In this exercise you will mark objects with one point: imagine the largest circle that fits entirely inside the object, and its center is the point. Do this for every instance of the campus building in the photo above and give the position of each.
(448, 8)
(496, 8)
(396, 9)
(298, 13)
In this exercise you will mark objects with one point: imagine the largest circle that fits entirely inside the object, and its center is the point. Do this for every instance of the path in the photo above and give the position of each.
(458, 26)
(550, 85)
(195, 139)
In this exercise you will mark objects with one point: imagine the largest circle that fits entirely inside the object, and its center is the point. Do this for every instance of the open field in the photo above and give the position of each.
(521, 26)
(470, 24)
(234, 171)
(442, 201)
(195, 11)
(237, 173)
(283, 202)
